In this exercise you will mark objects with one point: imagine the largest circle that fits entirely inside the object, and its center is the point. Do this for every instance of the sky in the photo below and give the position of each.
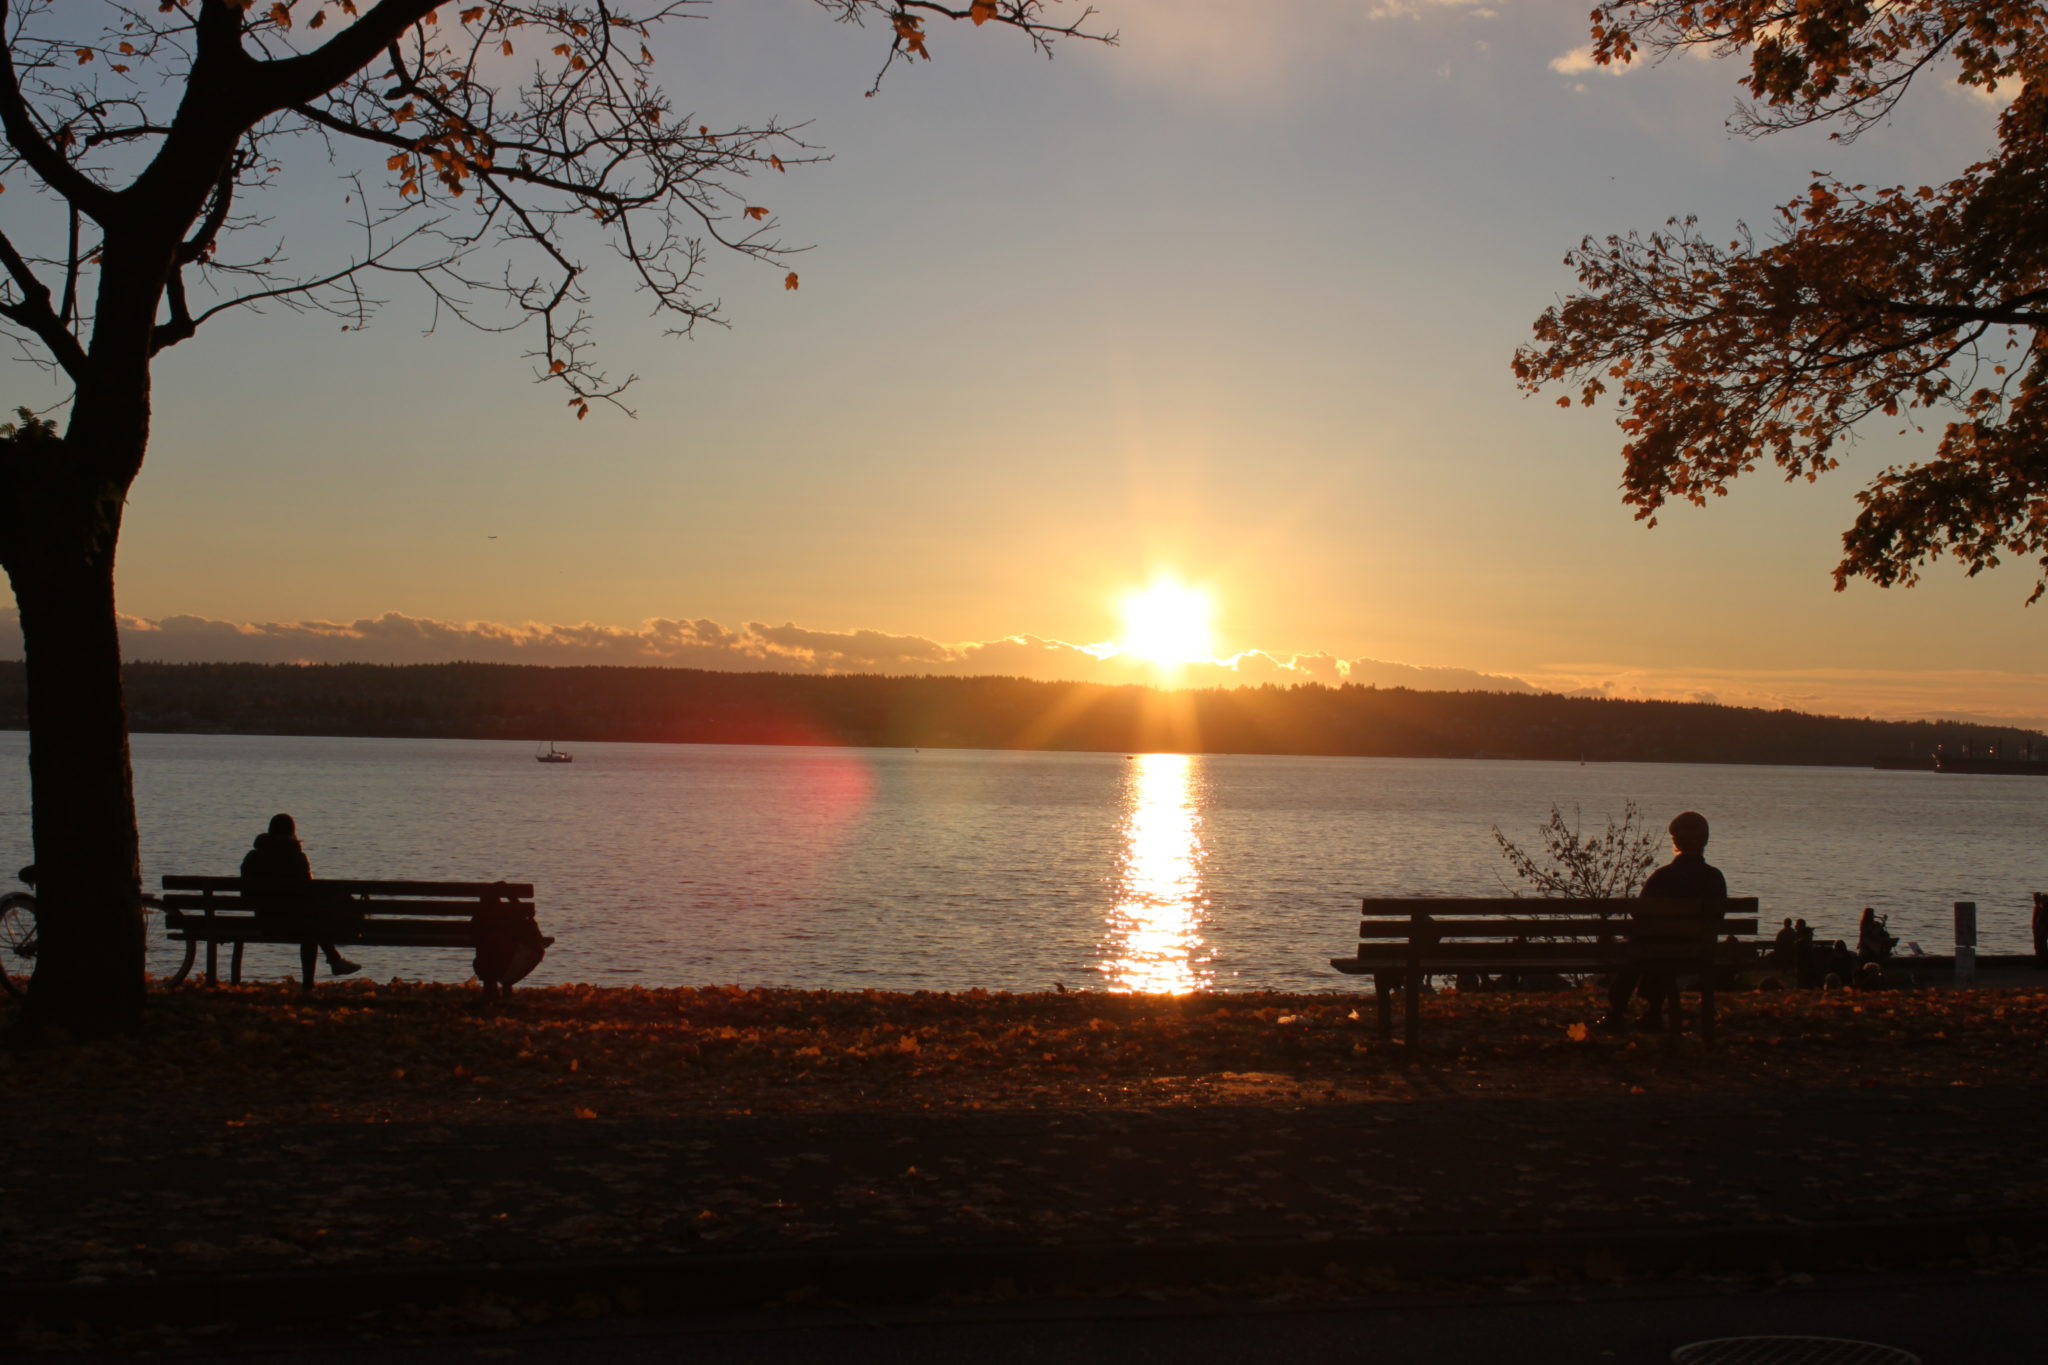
(1232, 301)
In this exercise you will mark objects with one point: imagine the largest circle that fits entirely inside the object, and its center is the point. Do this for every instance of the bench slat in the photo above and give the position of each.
(1358, 966)
(285, 905)
(1496, 906)
(1437, 964)
(1546, 928)
(442, 938)
(499, 890)
(1532, 953)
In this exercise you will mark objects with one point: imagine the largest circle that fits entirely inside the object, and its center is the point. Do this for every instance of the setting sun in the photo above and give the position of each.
(1167, 623)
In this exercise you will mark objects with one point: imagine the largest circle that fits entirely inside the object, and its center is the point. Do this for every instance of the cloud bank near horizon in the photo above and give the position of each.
(1972, 696)
(754, 646)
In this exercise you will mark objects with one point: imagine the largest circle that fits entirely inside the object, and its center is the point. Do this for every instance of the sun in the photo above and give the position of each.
(1167, 623)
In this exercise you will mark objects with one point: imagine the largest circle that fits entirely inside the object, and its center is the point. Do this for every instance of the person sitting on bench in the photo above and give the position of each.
(1687, 876)
(279, 863)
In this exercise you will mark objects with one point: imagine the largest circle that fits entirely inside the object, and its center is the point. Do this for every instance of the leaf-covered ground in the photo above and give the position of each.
(374, 1124)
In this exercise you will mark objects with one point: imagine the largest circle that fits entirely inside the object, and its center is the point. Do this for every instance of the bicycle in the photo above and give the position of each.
(18, 935)
(18, 942)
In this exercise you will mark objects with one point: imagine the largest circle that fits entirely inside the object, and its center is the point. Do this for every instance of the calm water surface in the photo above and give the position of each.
(948, 869)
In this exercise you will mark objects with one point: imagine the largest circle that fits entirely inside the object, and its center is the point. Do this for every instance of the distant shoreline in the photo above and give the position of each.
(582, 705)
(991, 749)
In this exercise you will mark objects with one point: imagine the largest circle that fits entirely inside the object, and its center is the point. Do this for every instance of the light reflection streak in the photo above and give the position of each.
(1155, 944)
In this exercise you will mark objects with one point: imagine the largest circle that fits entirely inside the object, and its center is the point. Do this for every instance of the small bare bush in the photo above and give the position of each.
(1575, 866)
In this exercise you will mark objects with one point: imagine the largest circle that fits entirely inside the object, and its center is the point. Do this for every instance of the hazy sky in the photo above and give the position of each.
(1236, 299)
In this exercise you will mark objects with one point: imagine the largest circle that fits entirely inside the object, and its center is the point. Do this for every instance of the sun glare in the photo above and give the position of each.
(1167, 623)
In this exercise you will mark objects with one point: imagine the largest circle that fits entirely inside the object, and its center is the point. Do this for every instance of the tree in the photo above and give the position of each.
(146, 131)
(1572, 866)
(1860, 305)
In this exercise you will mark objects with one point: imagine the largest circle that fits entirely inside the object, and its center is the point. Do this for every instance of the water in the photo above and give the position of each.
(946, 869)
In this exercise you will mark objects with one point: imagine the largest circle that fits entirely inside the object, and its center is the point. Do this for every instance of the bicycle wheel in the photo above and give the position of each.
(17, 941)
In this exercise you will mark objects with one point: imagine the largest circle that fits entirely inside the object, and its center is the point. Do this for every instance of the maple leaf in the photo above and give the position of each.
(910, 32)
(757, 214)
(981, 11)
(789, 280)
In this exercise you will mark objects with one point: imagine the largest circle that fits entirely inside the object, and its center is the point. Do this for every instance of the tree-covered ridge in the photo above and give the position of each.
(686, 706)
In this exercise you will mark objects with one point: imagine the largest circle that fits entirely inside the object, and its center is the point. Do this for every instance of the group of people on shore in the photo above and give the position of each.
(1811, 963)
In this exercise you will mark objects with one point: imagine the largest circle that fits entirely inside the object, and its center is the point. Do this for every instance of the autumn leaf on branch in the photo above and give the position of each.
(1907, 309)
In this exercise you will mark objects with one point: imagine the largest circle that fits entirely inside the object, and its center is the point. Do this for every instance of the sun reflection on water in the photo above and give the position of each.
(1155, 945)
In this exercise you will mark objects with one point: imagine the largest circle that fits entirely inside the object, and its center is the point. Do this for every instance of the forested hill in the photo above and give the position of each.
(674, 705)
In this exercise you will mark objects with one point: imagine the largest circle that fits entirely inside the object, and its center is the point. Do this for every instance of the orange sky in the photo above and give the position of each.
(1232, 300)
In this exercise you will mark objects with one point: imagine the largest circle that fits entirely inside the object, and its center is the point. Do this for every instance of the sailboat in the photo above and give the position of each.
(554, 755)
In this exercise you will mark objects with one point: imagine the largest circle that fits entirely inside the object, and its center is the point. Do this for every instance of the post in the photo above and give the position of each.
(1420, 929)
(1966, 943)
(2041, 931)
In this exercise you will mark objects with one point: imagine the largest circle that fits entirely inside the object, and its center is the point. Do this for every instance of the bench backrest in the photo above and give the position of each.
(216, 895)
(1541, 930)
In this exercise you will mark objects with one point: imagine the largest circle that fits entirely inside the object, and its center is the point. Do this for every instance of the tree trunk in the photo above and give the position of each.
(89, 975)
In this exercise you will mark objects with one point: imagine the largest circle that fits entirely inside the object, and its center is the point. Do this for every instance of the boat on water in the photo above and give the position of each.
(553, 755)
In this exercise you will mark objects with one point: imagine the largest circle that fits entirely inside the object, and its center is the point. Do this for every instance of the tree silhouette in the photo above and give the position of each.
(1894, 304)
(486, 149)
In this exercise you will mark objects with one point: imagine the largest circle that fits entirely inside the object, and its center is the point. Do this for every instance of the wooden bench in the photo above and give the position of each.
(1401, 942)
(217, 910)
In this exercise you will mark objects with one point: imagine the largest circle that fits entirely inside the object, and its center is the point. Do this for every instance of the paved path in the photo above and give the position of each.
(1947, 1320)
(335, 1219)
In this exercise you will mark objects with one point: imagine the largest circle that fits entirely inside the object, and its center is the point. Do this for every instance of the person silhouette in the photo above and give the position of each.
(1785, 947)
(278, 863)
(1804, 954)
(1874, 940)
(1687, 876)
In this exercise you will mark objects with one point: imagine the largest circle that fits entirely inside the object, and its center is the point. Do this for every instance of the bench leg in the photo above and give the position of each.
(235, 964)
(1383, 1003)
(212, 963)
(1412, 983)
(308, 955)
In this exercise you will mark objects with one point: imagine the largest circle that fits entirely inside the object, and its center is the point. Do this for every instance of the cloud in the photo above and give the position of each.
(1578, 60)
(1415, 9)
(1223, 47)
(1985, 697)
(395, 638)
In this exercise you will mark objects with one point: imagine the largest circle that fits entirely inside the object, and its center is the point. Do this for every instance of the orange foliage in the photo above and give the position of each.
(1861, 304)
